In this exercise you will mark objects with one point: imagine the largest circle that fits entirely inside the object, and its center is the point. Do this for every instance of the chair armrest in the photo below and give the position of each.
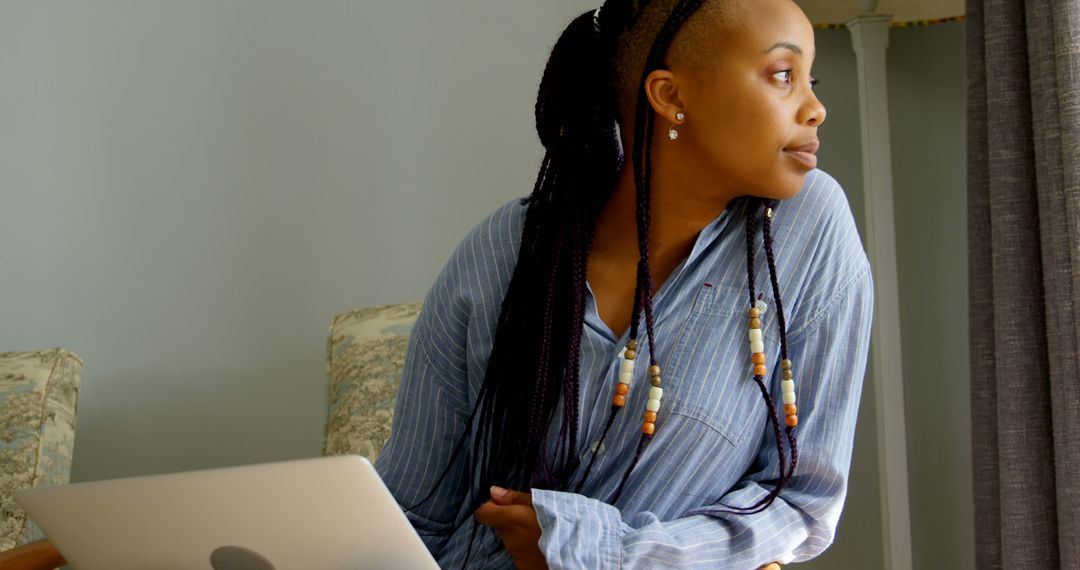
(37, 555)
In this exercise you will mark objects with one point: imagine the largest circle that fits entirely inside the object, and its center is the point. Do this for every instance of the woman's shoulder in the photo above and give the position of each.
(496, 239)
(483, 261)
(822, 200)
(817, 233)
(820, 212)
(503, 224)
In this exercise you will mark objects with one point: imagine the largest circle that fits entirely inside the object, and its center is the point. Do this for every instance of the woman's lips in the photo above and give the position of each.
(804, 153)
(807, 158)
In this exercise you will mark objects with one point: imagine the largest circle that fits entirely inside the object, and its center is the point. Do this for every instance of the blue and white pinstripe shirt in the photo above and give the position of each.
(712, 442)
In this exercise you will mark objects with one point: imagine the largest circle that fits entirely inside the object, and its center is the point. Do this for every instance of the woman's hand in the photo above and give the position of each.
(513, 517)
(772, 566)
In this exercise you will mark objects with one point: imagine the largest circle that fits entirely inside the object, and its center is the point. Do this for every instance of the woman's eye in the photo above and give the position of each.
(784, 75)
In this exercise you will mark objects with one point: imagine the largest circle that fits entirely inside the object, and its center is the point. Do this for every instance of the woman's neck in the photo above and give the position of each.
(681, 208)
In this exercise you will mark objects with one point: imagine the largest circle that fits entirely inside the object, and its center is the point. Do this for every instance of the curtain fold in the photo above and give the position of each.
(1024, 242)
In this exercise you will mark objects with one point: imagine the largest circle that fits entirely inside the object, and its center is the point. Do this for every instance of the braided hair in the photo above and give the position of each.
(535, 359)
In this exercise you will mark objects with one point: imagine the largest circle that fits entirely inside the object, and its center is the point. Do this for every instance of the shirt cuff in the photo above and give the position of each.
(578, 532)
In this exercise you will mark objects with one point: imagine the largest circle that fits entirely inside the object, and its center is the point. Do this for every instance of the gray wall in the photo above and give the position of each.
(190, 191)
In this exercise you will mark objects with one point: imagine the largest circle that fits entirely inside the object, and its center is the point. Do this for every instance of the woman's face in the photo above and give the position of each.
(751, 114)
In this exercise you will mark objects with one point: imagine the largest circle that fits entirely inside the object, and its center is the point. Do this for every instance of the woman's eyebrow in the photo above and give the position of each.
(785, 45)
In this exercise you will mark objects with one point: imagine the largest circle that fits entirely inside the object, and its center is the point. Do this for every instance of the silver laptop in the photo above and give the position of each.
(329, 512)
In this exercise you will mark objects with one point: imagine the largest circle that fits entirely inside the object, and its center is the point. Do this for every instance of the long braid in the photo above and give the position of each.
(644, 131)
(752, 212)
(571, 387)
(596, 451)
(764, 503)
(581, 273)
(784, 477)
(644, 208)
(682, 12)
(626, 474)
(767, 230)
(507, 428)
(751, 232)
(582, 152)
(615, 16)
(541, 378)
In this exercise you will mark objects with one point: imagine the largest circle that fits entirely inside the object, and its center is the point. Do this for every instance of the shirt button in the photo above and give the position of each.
(597, 447)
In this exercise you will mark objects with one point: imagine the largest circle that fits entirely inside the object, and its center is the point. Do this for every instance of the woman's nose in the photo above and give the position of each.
(813, 111)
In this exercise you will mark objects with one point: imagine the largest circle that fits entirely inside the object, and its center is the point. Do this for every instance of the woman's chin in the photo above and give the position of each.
(789, 187)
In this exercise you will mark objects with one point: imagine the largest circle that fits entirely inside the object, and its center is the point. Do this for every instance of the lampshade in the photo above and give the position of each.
(832, 12)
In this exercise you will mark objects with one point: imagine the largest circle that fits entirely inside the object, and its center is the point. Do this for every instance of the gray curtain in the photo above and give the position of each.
(1024, 247)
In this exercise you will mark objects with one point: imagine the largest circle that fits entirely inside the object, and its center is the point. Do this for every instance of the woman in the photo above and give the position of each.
(530, 428)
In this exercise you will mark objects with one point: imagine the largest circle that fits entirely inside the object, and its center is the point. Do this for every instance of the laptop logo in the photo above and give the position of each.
(238, 558)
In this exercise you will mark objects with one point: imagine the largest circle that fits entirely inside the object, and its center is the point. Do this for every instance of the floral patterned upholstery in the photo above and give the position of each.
(364, 358)
(38, 396)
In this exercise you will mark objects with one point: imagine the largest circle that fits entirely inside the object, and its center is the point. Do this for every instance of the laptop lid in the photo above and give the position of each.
(328, 512)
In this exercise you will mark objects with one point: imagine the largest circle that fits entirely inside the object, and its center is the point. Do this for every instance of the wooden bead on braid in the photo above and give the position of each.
(626, 375)
(757, 344)
(652, 405)
(788, 389)
(622, 389)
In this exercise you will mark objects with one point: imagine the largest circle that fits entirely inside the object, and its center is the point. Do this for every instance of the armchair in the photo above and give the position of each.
(39, 392)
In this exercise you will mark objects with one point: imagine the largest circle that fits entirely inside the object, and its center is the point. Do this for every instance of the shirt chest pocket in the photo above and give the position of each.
(709, 377)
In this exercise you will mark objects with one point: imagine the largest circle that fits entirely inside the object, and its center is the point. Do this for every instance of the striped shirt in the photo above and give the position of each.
(712, 445)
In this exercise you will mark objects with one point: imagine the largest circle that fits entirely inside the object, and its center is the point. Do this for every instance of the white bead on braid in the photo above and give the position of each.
(788, 389)
(757, 352)
(626, 375)
(757, 344)
(652, 405)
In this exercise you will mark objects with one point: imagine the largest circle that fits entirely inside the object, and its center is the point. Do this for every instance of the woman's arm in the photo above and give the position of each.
(513, 517)
(830, 359)
(429, 418)
(443, 368)
(433, 403)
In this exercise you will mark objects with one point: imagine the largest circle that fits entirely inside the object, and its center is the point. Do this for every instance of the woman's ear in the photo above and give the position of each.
(663, 94)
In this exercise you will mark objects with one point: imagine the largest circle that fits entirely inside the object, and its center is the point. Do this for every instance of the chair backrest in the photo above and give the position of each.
(365, 354)
(39, 393)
